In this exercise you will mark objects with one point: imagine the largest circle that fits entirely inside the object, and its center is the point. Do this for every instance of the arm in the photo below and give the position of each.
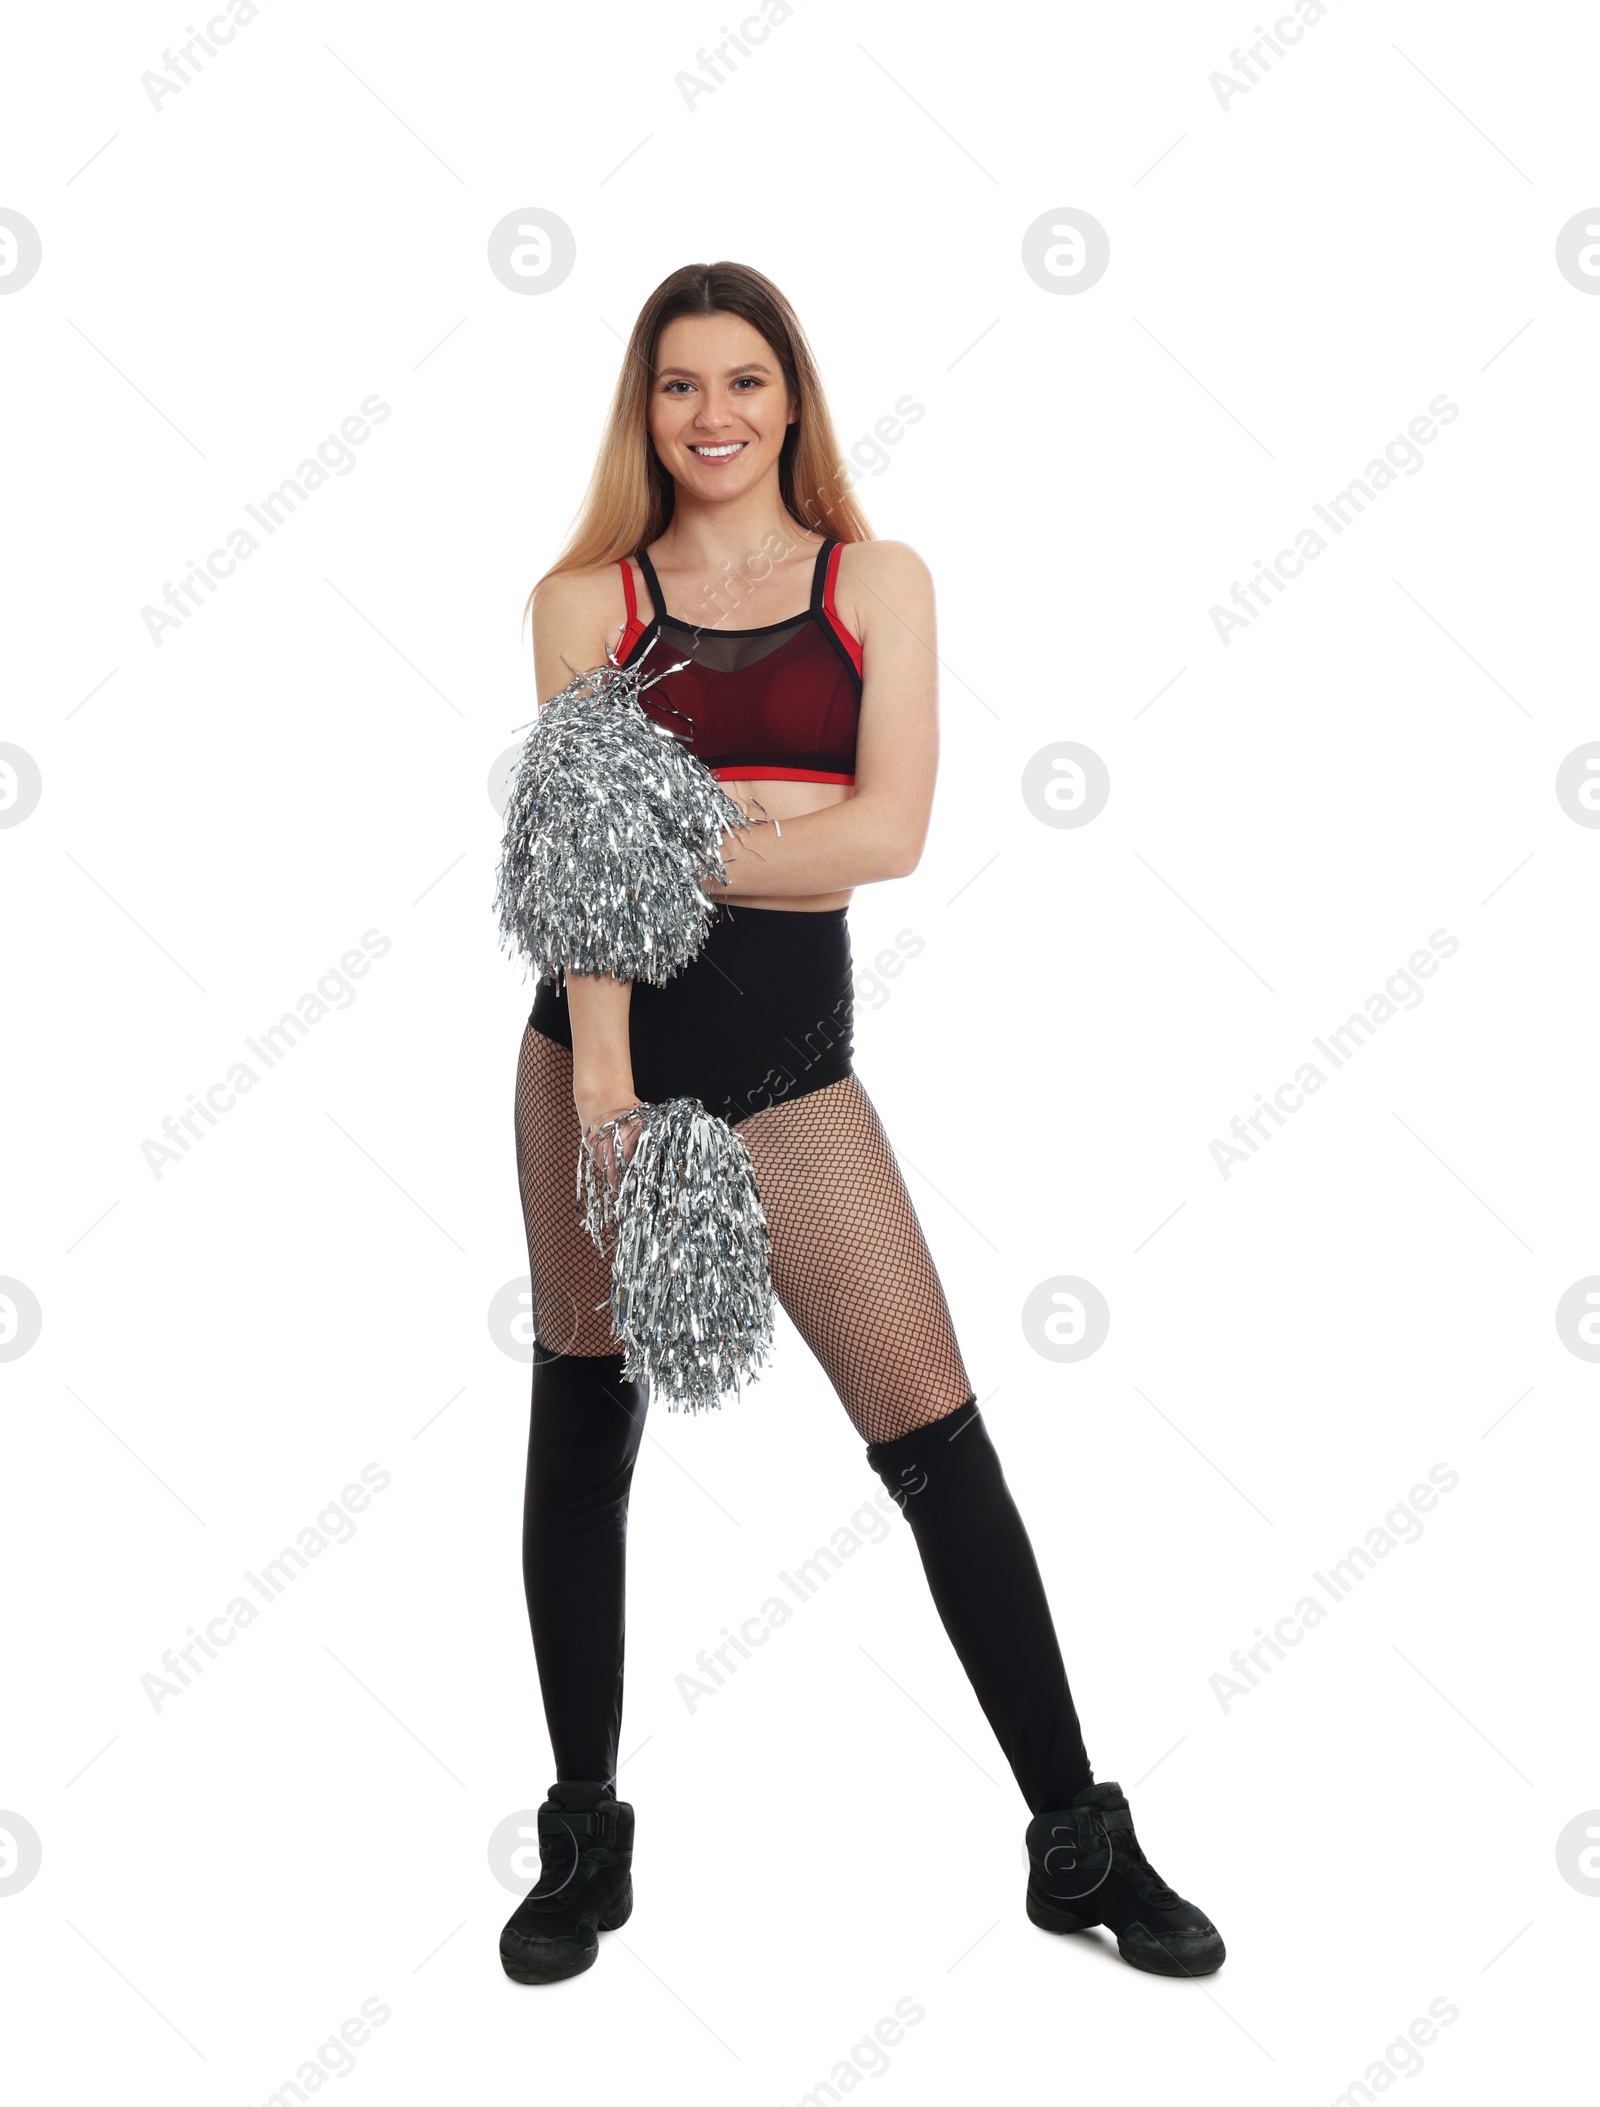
(569, 624)
(878, 833)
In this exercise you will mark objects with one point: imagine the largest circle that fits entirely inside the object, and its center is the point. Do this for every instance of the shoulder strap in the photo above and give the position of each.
(628, 594)
(822, 585)
(652, 582)
(819, 576)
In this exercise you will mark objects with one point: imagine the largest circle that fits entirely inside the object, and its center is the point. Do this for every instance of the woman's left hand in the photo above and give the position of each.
(611, 1146)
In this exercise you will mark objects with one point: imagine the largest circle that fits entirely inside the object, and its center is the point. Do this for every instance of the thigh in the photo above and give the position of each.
(850, 1263)
(571, 1281)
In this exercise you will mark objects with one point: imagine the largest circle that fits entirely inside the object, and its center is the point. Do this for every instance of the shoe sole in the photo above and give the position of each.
(559, 1968)
(1049, 1916)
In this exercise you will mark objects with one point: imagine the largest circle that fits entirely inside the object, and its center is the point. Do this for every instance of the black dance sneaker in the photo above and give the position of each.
(585, 1885)
(1086, 1866)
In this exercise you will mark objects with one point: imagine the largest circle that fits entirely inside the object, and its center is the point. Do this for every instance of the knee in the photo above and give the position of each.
(587, 1420)
(928, 1453)
(564, 1323)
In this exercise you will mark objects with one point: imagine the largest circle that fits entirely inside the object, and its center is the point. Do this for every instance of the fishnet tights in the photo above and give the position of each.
(849, 1261)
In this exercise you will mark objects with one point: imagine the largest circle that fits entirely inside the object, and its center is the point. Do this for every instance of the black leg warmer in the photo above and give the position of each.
(986, 1587)
(583, 1441)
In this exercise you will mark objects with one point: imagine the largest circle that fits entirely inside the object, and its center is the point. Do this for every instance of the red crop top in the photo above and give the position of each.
(781, 702)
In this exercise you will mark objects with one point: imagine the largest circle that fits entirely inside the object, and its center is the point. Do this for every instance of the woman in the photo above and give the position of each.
(717, 534)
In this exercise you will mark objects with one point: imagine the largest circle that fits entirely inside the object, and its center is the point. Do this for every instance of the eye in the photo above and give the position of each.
(671, 384)
(752, 378)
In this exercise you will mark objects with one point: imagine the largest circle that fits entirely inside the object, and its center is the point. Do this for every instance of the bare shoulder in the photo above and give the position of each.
(884, 563)
(569, 598)
(577, 615)
(576, 618)
(882, 582)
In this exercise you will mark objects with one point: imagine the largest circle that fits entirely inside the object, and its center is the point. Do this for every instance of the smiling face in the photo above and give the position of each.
(719, 406)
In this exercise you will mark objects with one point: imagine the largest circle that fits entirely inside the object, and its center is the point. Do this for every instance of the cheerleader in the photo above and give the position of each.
(719, 541)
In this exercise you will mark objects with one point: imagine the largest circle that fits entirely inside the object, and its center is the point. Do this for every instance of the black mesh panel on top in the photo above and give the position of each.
(850, 1263)
(721, 651)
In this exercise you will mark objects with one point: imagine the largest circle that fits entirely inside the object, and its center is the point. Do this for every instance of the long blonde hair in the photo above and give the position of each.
(631, 495)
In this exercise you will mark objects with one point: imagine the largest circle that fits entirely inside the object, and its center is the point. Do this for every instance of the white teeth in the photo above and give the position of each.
(716, 453)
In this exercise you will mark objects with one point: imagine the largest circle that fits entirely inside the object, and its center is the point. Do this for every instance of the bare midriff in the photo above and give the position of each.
(782, 799)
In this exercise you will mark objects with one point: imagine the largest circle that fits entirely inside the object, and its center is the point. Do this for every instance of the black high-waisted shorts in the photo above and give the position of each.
(764, 1013)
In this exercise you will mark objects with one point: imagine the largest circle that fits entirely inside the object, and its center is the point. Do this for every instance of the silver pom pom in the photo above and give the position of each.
(612, 829)
(691, 1286)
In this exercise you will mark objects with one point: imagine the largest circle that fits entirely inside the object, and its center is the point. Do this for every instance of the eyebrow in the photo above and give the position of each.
(749, 365)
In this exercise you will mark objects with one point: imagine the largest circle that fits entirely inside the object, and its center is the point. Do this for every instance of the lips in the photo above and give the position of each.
(728, 450)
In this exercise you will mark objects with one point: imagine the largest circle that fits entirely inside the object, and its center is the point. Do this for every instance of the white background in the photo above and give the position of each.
(307, 1291)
